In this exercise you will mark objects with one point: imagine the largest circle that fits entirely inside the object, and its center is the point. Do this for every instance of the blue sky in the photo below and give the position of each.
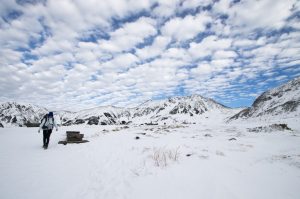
(75, 54)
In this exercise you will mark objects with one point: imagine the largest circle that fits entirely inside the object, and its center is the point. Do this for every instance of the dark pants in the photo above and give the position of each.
(46, 137)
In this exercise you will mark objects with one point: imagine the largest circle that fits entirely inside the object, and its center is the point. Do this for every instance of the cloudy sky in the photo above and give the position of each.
(74, 54)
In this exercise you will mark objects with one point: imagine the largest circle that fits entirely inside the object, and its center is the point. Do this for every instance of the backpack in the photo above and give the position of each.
(44, 117)
(50, 122)
(44, 127)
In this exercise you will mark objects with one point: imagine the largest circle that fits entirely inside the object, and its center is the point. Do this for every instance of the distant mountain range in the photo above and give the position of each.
(283, 101)
(177, 109)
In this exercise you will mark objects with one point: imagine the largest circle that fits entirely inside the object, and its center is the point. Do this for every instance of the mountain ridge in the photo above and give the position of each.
(281, 101)
(148, 110)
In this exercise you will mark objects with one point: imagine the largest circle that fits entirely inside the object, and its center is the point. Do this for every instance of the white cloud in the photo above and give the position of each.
(192, 4)
(90, 53)
(202, 70)
(52, 46)
(251, 15)
(177, 53)
(166, 8)
(275, 16)
(244, 43)
(208, 45)
(85, 56)
(129, 35)
(220, 28)
(158, 46)
(143, 27)
(9, 57)
(222, 6)
(219, 64)
(65, 12)
(186, 28)
(221, 54)
(120, 62)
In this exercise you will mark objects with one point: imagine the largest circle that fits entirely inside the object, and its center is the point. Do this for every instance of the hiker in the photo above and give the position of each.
(47, 124)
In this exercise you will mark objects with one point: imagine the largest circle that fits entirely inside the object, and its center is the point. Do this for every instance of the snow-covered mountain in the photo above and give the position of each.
(188, 109)
(103, 115)
(282, 101)
(17, 114)
(180, 109)
(176, 109)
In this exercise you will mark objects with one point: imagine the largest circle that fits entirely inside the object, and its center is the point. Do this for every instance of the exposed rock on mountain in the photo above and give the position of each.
(283, 101)
(151, 111)
(189, 109)
(106, 115)
(15, 114)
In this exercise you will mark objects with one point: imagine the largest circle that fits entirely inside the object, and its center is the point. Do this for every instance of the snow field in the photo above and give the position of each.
(176, 161)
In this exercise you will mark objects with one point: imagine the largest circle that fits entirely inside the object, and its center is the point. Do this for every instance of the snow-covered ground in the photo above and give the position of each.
(177, 161)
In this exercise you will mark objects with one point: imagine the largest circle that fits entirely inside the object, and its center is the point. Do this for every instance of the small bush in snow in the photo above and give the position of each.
(163, 157)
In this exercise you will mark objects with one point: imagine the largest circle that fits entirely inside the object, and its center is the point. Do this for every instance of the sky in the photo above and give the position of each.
(76, 54)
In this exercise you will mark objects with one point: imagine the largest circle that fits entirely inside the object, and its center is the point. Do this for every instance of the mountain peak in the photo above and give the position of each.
(282, 100)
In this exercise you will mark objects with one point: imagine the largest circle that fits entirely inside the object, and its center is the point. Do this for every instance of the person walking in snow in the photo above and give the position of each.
(47, 124)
